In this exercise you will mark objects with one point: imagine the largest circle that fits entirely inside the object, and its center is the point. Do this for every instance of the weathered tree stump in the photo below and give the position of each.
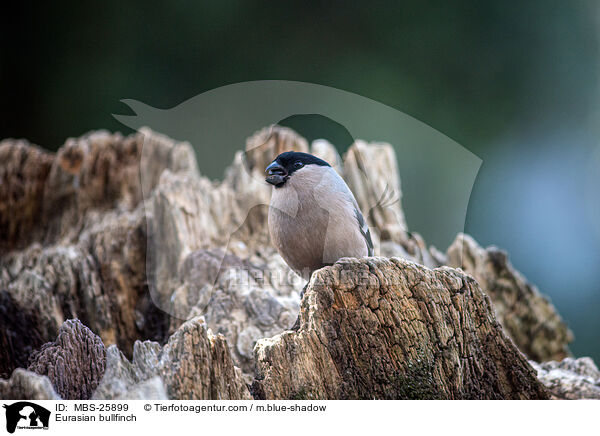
(526, 315)
(74, 362)
(82, 235)
(391, 329)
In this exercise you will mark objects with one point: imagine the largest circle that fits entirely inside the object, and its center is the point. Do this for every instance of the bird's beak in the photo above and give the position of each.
(276, 174)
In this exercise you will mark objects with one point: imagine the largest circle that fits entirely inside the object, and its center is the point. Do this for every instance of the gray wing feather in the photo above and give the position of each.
(338, 184)
(364, 230)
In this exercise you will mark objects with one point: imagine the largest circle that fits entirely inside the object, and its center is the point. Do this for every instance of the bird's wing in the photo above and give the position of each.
(332, 181)
(364, 229)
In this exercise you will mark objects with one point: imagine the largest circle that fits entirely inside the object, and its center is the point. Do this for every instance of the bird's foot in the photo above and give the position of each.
(296, 325)
(303, 291)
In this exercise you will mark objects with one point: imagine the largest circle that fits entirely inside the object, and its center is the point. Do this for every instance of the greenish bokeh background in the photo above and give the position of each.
(514, 82)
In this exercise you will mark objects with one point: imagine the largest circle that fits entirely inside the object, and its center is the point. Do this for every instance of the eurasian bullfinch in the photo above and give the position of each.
(314, 219)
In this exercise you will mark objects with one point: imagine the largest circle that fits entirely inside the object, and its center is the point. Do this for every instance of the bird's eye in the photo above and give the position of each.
(298, 165)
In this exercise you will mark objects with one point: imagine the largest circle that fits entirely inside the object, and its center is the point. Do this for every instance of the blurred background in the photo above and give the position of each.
(516, 83)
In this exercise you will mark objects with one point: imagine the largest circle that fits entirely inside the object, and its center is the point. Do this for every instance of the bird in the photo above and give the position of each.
(313, 219)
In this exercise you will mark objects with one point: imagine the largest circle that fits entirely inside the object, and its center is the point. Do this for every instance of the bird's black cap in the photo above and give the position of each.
(289, 158)
(286, 164)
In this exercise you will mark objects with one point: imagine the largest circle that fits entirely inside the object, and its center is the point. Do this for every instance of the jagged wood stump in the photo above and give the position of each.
(527, 316)
(74, 362)
(73, 243)
(388, 328)
(193, 365)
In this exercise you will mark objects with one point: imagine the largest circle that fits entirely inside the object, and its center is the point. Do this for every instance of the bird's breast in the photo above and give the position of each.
(298, 231)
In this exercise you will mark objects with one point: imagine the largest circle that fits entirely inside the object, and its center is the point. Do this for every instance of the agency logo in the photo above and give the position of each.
(26, 415)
